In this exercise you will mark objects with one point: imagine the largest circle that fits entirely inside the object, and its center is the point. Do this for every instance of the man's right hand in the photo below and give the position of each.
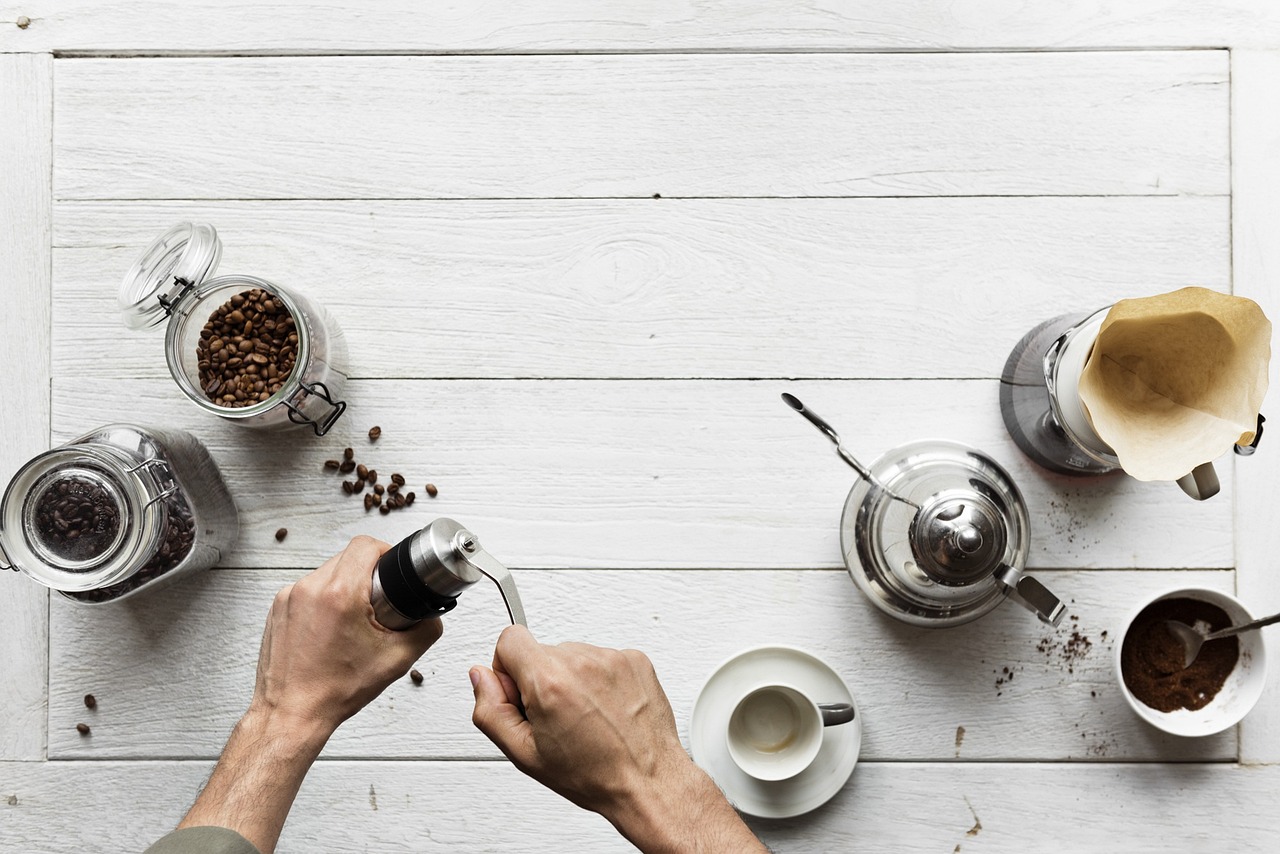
(594, 725)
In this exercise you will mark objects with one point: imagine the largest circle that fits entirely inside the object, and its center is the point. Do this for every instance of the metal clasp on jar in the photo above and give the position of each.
(163, 475)
(320, 390)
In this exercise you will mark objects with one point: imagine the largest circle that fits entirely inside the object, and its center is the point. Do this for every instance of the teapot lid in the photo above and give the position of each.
(927, 546)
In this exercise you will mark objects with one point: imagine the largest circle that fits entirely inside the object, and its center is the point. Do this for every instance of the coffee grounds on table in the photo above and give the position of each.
(247, 349)
(1151, 658)
(77, 519)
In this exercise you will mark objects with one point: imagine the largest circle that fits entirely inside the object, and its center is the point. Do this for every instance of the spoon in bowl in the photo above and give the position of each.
(1194, 637)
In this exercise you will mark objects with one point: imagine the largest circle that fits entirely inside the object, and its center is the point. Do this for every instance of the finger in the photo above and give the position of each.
(499, 720)
(421, 637)
(355, 562)
(517, 653)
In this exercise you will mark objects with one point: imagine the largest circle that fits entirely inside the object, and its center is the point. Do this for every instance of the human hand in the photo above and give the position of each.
(324, 656)
(597, 728)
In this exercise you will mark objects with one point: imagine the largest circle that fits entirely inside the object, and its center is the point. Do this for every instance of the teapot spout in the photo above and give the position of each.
(1031, 594)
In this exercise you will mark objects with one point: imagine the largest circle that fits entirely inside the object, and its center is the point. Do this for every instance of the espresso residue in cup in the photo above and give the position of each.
(1151, 658)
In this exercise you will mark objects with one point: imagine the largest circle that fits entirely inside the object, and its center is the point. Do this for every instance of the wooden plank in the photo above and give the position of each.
(834, 288)
(618, 474)
(26, 105)
(678, 125)
(456, 807)
(1256, 223)
(179, 669)
(238, 26)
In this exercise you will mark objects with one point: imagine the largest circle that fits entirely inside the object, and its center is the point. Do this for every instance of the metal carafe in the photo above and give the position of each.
(936, 533)
(423, 575)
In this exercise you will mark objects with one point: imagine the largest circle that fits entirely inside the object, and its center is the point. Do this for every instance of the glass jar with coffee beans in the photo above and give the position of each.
(117, 511)
(240, 347)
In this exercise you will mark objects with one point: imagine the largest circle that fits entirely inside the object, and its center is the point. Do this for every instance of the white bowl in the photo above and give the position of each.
(1239, 693)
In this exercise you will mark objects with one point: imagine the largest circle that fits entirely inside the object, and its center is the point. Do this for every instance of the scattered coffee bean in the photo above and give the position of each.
(363, 471)
(432, 491)
(347, 467)
(410, 498)
(415, 676)
(332, 465)
(374, 433)
(393, 488)
(281, 533)
(369, 498)
(373, 476)
(83, 729)
(346, 486)
(399, 501)
(384, 509)
(90, 701)
(357, 487)
(246, 350)
(397, 479)
(348, 454)
(378, 489)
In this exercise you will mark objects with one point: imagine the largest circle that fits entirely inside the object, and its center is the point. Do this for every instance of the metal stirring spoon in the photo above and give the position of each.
(1194, 637)
(829, 431)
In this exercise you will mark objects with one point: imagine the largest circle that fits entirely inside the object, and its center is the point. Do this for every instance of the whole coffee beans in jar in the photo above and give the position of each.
(115, 512)
(240, 347)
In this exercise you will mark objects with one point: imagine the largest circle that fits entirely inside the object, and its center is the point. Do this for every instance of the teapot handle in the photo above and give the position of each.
(1031, 594)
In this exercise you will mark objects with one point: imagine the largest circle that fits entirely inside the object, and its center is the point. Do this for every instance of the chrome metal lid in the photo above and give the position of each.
(959, 537)
(176, 261)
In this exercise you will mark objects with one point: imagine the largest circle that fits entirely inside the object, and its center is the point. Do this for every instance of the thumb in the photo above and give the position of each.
(501, 721)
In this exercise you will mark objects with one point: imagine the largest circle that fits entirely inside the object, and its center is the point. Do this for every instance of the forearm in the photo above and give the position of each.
(257, 777)
(684, 812)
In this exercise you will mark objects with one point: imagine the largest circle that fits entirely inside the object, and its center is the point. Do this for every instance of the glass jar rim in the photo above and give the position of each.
(205, 290)
(142, 516)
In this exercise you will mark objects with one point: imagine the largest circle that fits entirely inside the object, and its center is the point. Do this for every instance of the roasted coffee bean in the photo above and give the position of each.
(373, 476)
(349, 454)
(90, 701)
(369, 498)
(415, 676)
(363, 471)
(240, 343)
(179, 537)
(384, 509)
(378, 489)
(397, 479)
(281, 533)
(358, 487)
(409, 499)
(432, 491)
(347, 467)
(83, 729)
(398, 501)
(77, 519)
(393, 488)
(346, 486)
(374, 433)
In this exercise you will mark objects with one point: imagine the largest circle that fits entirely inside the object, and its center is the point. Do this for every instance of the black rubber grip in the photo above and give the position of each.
(404, 589)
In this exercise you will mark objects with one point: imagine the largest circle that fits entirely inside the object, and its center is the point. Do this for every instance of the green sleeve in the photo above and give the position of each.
(203, 840)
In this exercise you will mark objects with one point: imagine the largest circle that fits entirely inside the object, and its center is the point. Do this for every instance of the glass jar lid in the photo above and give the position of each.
(77, 519)
(176, 261)
(930, 556)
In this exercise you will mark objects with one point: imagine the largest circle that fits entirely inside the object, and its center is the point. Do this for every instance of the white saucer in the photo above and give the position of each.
(812, 787)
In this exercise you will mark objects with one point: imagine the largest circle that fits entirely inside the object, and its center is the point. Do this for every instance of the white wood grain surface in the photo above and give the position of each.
(489, 806)
(179, 668)
(569, 26)
(595, 474)
(606, 431)
(1144, 123)
(26, 115)
(862, 288)
(1256, 274)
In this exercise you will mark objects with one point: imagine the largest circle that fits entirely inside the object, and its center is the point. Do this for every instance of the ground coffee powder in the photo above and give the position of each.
(1151, 658)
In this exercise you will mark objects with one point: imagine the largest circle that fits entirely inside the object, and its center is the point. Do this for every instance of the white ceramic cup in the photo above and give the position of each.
(775, 731)
(1239, 693)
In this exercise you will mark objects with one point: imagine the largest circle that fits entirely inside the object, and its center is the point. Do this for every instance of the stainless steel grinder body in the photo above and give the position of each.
(422, 576)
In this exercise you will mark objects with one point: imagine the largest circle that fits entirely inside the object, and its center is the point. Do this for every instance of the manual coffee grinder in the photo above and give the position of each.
(423, 575)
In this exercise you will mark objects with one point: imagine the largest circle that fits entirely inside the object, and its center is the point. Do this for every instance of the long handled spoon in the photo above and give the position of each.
(1194, 637)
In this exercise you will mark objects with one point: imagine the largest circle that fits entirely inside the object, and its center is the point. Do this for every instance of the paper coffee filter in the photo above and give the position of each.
(1175, 380)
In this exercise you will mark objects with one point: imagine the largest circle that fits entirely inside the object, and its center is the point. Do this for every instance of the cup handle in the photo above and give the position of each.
(836, 713)
(1201, 483)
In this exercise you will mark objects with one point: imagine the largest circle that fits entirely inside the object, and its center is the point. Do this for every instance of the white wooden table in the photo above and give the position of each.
(865, 203)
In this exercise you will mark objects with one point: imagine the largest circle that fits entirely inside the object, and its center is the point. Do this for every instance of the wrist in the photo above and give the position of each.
(680, 809)
(289, 734)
